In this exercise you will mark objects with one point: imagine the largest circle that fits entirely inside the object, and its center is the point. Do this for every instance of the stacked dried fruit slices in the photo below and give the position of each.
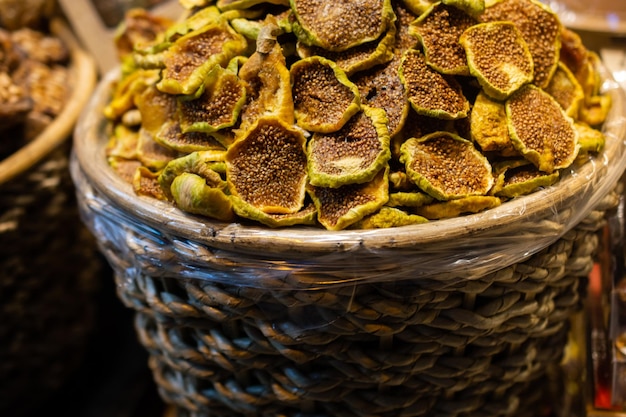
(368, 114)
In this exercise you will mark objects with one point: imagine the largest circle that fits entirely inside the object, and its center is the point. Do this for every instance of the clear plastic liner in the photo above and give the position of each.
(141, 235)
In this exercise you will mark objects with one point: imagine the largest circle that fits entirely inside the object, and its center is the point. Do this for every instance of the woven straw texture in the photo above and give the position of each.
(48, 261)
(427, 320)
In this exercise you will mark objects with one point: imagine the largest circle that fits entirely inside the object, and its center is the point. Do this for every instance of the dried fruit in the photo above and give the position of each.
(389, 217)
(188, 61)
(200, 163)
(439, 30)
(446, 166)
(343, 24)
(519, 177)
(540, 130)
(566, 90)
(341, 207)
(540, 28)
(217, 107)
(192, 194)
(355, 114)
(488, 126)
(458, 207)
(498, 57)
(352, 155)
(266, 168)
(324, 98)
(430, 92)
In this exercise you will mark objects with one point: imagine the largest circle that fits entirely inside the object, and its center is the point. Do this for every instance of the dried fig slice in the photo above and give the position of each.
(498, 57)
(188, 61)
(471, 7)
(519, 177)
(389, 217)
(152, 154)
(138, 30)
(589, 138)
(172, 136)
(439, 29)
(219, 105)
(324, 98)
(246, 4)
(540, 130)
(381, 87)
(123, 143)
(354, 154)
(306, 216)
(566, 90)
(338, 208)
(446, 166)
(342, 25)
(268, 83)
(357, 58)
(266, 167)
(126, 90)
(146, 182)
(540, 28)
(409, 199)
(458, 207)
(192, 194)
(431, 93)
(156, 108)
(488, 126)
(198, 163)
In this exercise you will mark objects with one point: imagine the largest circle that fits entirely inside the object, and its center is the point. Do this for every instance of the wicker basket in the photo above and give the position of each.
(458, 317)
(48, 259)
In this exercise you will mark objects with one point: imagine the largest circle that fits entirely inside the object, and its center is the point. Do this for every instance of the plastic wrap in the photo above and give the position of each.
(462, 248)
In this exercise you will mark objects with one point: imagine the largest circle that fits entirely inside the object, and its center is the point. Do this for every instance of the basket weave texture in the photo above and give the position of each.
(48, 260)
(454, 318)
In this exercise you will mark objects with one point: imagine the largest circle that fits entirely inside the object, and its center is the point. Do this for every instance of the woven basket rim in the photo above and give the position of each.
(83, 78)
(577, 193)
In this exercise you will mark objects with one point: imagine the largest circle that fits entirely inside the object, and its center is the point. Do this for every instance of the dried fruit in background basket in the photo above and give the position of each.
(354, 95)
(34, 76)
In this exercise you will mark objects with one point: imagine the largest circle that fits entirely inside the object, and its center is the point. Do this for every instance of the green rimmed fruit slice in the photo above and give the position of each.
(409, 199)
(519, 177)
(358, 58)
(590, 139)
(566, 90)
(193, 194)
(191, 57)
(306, 216)
(458, 207)
(267, 167)
(151, 153)
(540, 28)
(489, 128)
(342, 24)
(354, 154)
(389, 217)
(268, 83)
(146, 182)
(172, 136)
(219, 105)
(429, 92)
(381, 87)
(338, 208)
(498, 57)
(446, 166)
(246, 4)
(439, 30)
(324, 98)
(540, 130)
(201, 163)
